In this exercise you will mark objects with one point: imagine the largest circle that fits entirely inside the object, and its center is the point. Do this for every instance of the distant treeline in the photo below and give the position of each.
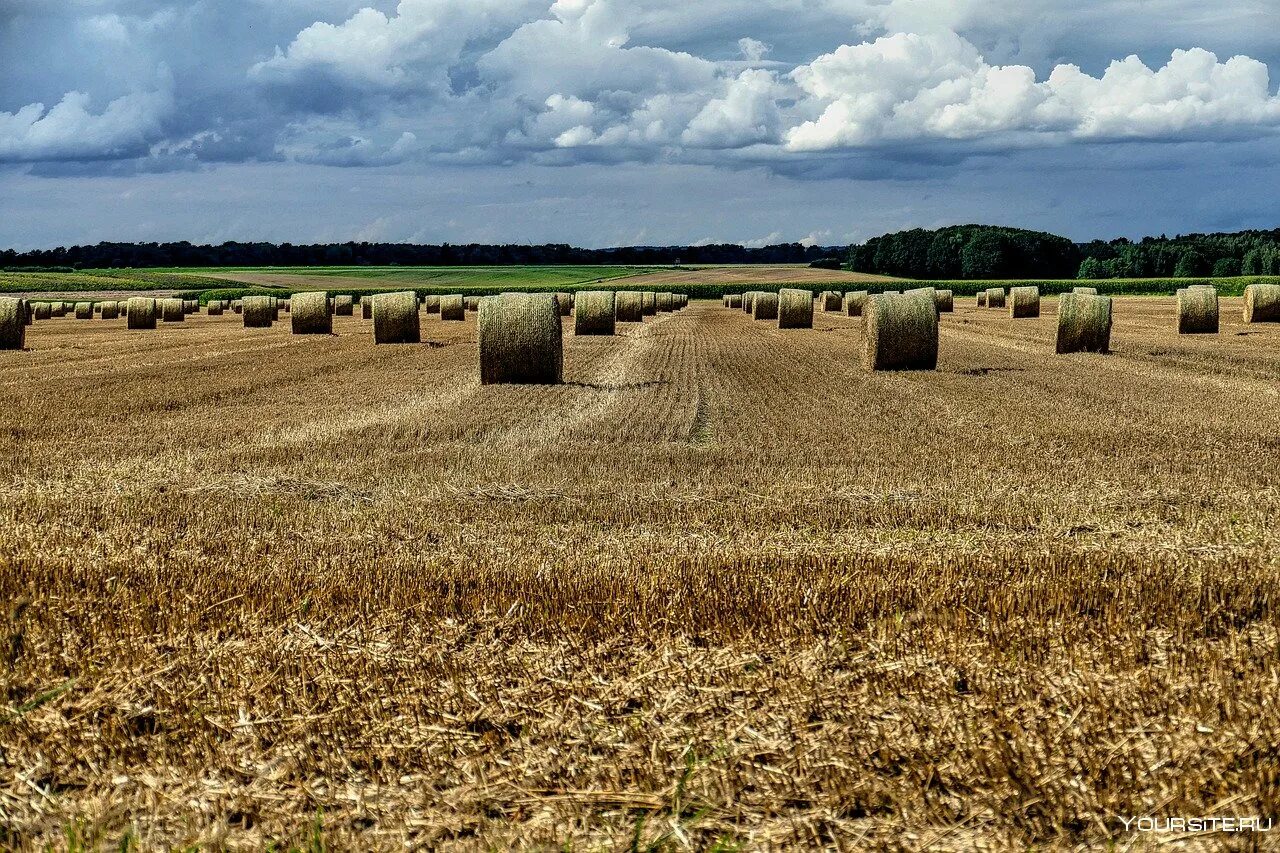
(126, 255)
(989, 252)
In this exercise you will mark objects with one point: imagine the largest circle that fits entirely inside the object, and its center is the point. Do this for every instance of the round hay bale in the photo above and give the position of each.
(995, 297)
(748, 301)
(395, 318)
(172, 310)
(142, 312)
(313, 316)
(343, 306)
(1262, 303)
(97, 307)
(666, 302)
(191, 306)
(1086, 291)
(855, 302)
(593, 313)
(628, 306)
(1024, 302)
(110, 310)
(765, 306)
(832, 301)
(945, 300)
(84, 310)
(1198, 311)
(214, 308)
(900, 332)
(286, 306)
(648, 303)
(453, 307)
(257, 312)
(1084, 323)
(237, 305)
(735, 300)
(724, 300)
(929, 292)
(980, 299)
(431, 304)
(564, 301)
(42, 311)
(366, 308)
(795, 309)
(471, 303)
(57, 309)
(275, 308)
(13, 322)
(520, 340)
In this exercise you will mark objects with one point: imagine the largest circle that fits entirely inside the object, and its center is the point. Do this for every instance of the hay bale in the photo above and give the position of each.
(366, 307)
(765, 306)
(214, 308)
(453, 307)
(172, 310)
(1262, 303)
(564, 301)
(13, 322)
(520, 340)
(142, 312)
(900, 332)
(275, 308)
(84, 310)
(41, 310)
(257, 312)
(628, 306)
(237, 306)
(395, 318)
(748, 301)
(648, 303)
(593, 313)
(928, 292)
(995, 297)
(1084, 323)
(945, 301)
(795, 309)
(313, 316)
(855, 302)
(666, 303)
(343, 306)
(110, 310)
(191, 306)
(684, 301)
(431, 304)
(1086, 291)
(57, 309)
(471, 303)
(735, 300)
(981, 299)
(1024, 302)
(832, 301)
(1198, 311)
(286, 306)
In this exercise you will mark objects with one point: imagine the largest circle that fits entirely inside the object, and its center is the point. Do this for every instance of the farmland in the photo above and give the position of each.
(720, 587)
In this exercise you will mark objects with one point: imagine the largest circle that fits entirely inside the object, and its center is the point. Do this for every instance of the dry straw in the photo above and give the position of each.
(795, 309)
(945, 301)
(172, 310)
(765, 306)
(735, 300)
(110, 310)
(564, 302)
(1024, 302)
(855, 302)
(366, 307)
(42, 311)
(471, 303)
(1084, 323)
(258, 313)
(666, 302)
(628, 306)
(1262, 303)
(930, 293)
(453, 307)
(343, 305)
(395, 318)
(1086, 291)
(275, 308)
(981, 299)
(748, 301)
(832, 301)
(214, 308)
(520, 340)
(648, 303)
(311, 314)
(13, 322)
(57, 309)
(1198, 311)
(900, 332)
(995, 297)
(593, 313)
(431, 304)
(286, 306)
(237, 305)
(84, 310)
(142, 312)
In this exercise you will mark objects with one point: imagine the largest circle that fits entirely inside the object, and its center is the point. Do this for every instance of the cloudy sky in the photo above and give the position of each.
(619, 122)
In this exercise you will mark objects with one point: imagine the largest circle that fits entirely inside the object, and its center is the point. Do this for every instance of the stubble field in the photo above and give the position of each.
(720, 588)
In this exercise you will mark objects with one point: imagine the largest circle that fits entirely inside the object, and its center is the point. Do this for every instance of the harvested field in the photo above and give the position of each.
(265, 588)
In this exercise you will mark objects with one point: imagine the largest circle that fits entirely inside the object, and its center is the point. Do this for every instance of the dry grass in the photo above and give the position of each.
(252, 578)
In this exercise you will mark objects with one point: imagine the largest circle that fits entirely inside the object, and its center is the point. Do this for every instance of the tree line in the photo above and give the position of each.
(991, 252)
(232, 254)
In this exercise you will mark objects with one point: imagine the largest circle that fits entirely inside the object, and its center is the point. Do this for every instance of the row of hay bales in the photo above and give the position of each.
(597, 312)
(1084, 317)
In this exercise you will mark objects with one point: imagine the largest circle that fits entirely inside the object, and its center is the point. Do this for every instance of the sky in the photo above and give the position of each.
(632, 122)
